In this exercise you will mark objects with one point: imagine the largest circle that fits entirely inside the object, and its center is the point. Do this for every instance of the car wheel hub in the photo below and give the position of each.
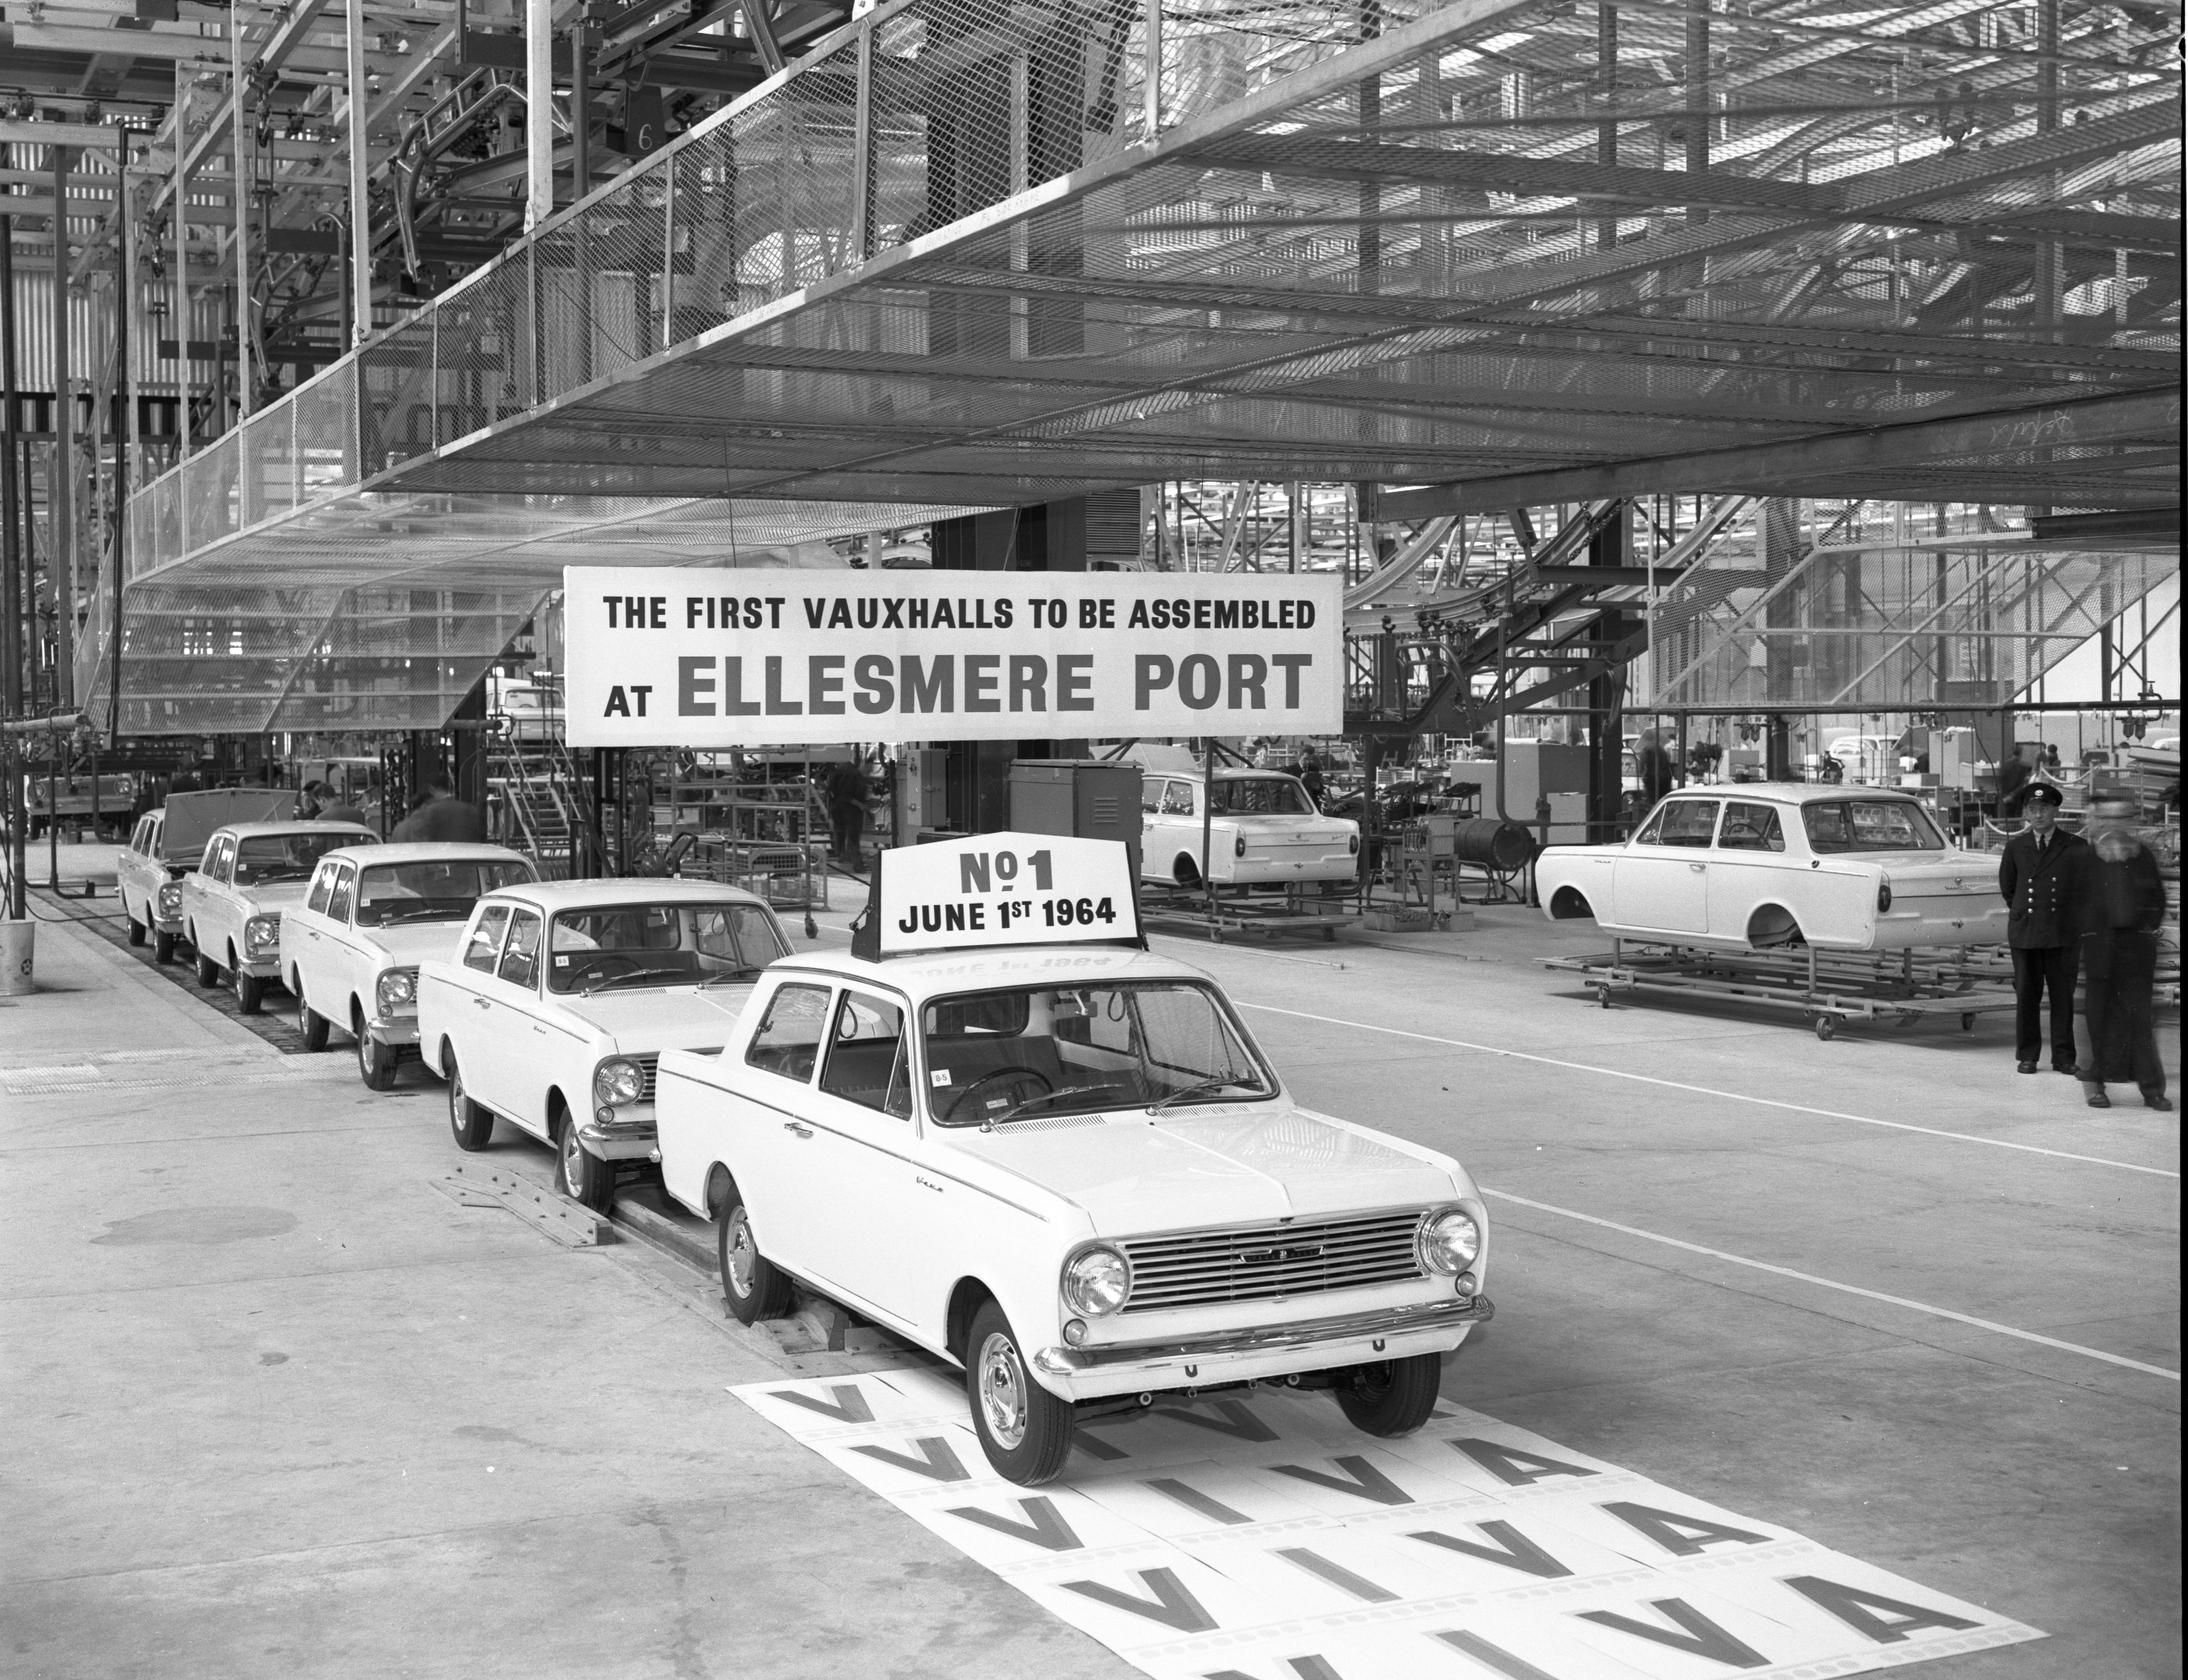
(741, 1253)
(1003, 1391)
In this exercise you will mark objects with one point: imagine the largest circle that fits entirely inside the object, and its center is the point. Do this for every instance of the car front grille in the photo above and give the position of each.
(1267, 1262)
(651, 1066)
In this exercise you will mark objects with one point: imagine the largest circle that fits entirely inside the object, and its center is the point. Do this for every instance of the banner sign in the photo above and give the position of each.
(999, 889)
(686, 656)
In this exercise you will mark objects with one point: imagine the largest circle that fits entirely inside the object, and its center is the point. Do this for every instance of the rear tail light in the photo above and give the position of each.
(1884, 895)
(1239, 847)
(1352, 843)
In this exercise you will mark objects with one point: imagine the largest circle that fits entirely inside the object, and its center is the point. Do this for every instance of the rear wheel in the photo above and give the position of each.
(1024, 1429)
(1392, 1397)
(315, 1025)
(586, 1179)
(208, 969)
(751, 1285)
(1186, 873)
(472, 1123)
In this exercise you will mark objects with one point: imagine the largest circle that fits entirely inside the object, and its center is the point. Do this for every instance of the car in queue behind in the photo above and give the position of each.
(350, 951)
(1001, 1129)
(232, 903)
(552, 1008)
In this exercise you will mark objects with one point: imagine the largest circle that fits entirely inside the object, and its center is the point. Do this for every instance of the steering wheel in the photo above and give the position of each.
(594, 970)
(1001, 1075)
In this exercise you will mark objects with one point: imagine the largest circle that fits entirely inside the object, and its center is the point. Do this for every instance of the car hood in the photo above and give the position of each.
(643, 1023)
(274, 896)
(405, 946)
(1230, 1165)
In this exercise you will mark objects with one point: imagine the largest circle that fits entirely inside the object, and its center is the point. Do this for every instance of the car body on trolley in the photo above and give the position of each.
(1758, 865)
(1261, 829)
(250, 875)
(553, 1005)
(350, 951)
(1068, 1167)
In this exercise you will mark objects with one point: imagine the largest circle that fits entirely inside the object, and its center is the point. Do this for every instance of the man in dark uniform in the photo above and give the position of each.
(2042, 877)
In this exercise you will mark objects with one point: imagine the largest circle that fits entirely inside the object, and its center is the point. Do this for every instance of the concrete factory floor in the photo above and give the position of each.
(277, 1407)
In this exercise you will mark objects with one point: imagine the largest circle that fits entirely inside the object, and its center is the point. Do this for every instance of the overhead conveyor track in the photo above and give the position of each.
(966, 253)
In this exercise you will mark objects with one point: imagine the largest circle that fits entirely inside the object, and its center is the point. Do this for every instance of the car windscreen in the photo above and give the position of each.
(666, 944)
(1028, 1051)
(437, 890)
(1870, 826)
(263, 859)
(1275, 796)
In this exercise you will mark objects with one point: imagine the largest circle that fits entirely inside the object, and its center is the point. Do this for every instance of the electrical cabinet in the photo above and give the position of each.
(1536, 768)
(1092, 798)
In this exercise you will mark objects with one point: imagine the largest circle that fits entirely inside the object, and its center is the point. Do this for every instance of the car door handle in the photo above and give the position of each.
(793, 1126)
(1698, 867)
(482, 1003)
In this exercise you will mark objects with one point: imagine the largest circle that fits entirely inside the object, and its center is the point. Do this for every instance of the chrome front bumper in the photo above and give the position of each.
(398, 1030)
(631, 1139)
(1271, 1350)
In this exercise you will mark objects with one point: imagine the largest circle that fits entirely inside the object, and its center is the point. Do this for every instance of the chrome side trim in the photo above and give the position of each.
(1390, 1320)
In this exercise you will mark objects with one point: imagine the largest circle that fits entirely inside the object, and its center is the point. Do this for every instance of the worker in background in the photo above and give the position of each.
(336, 806)
(1653, 765)
(2013, 779)
(2125, 907)
(2043, 877)
(442, 816)
(846, 792)
(1310, 775)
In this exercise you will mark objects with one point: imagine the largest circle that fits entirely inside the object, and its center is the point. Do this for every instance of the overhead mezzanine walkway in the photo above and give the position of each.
(967, 255)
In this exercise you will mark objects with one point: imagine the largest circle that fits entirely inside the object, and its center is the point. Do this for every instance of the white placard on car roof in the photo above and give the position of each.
(1003, 889)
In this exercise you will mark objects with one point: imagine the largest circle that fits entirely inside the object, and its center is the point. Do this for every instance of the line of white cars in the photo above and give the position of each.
(1057, 1161)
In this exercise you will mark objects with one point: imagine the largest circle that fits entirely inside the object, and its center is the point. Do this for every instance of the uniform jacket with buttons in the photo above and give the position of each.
(2043, 890)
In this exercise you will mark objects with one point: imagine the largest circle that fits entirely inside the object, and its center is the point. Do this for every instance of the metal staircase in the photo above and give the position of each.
(543, 806)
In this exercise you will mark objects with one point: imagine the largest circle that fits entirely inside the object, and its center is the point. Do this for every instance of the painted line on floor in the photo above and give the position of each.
(1843, 1289)
(1710, 1090)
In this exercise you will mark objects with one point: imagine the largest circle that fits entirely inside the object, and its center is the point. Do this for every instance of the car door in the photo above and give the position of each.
(777, 1155)
(1151, 831)
(130, 874)
(303, 939)
(1747, 866)
(1660, 883)
(469, 1020)
(861, 1155)
(204, 903)
(341, 961)
(525, 1051)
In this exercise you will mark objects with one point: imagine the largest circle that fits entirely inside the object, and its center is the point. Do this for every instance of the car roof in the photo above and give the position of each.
(1247, 773)
(1794, 792)
(252, 831)
(943, 973)
(558, 895)
(429, 851)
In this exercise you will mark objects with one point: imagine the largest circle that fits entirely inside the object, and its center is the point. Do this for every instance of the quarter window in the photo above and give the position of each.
(141, 841)
(1870, 826)
(484, 943)
(788, 1040)
(344, 891)
(1751, 828)
(1151, 795)
(1177, 799)
(520, 957)
(866, 1055)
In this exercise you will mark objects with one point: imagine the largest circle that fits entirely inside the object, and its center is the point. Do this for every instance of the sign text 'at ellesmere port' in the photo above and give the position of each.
(690, 658)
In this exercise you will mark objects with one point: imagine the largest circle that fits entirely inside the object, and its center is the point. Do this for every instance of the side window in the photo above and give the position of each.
(1151, 794)
(866, 1055)
(1177, 799)
(322, 884)
(788, 1040)
(483, 943)
(224, 859)
(1751, 828)
(1689, 822)
(520, 957)
(141, 841)
(344, 892)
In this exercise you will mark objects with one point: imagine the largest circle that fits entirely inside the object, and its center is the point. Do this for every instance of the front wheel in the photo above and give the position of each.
(1024, 1429)
(752, 1286)
(250, 993)
(472, 1123)
(163, 948)
(376, 1062)
(136, 928)
(586, 1179)
(1392, 1397)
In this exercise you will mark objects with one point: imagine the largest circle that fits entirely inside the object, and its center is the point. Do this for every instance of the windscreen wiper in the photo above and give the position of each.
(1187, 1093)
(1017, 1108)
(730, 977)
(635, 974)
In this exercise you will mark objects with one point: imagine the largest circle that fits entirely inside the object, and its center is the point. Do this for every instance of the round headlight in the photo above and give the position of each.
(397, 989)
(1449, 1241)
(619, 1082)
(262, 932)
(1096, 1281)
(171, 897)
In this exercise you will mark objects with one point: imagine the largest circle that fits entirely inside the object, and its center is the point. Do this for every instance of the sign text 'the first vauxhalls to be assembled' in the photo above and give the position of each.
(691, 658)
